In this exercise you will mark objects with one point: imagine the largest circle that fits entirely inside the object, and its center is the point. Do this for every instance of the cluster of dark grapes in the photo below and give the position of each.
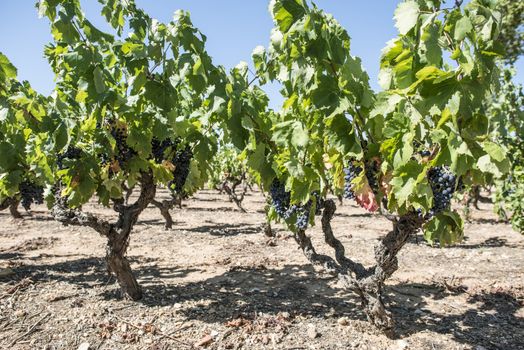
(417, 145)
(443, 184)
(350, 173)
(280, 199)
(159, 148)
(71, 153)
(302, 213)
(123, 151)
(319, 202)
(372, 175)
(104, 159)
(372, 172)
(31, 193)
(181, 161)
(303, 216)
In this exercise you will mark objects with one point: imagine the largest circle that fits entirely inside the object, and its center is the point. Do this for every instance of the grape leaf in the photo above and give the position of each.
(462, 28)
(406, 16)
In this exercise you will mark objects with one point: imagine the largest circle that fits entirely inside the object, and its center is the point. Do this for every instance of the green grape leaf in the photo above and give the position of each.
(462, 28)
(496, 152)
(429, 50)
(406, 16)
(98, 76)
(7, 70)
(446, 228)
(287, 12)
(292, 132)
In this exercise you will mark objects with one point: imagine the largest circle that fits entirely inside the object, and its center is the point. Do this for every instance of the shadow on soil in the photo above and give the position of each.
(215, 229)
(488, 319)
(493, 242)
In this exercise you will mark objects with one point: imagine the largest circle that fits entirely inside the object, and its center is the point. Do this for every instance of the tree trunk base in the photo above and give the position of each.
(368, 283)
(164, 208)
(13, 209)
(377, 314)
(120, 267)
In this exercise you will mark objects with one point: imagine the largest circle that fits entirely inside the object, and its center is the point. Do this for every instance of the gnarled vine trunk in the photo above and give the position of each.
(368, 283)
(231, 191)
(13, 209)
(164, 207)
(12, 204)
(118, 234)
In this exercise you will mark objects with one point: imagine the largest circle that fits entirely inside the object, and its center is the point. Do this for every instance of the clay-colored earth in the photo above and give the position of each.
(214, 280)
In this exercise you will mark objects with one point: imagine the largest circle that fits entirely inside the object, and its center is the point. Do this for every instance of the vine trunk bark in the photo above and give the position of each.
(13, 209)
(368, 283)
(232, 193)
(117, 234)
(12, 204)
(164, 207)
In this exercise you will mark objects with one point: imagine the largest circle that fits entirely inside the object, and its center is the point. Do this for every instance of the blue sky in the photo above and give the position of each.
(233, 27)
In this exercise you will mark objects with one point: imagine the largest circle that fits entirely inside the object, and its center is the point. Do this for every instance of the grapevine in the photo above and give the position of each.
(230, 174)
(121, 107)
(372, 146)
(150, 109)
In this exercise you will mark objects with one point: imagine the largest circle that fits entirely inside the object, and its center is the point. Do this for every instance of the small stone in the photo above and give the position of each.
(214, 334)
(265, 339)
(20, 313)
(343, 321)
(402, 344)
(480, 347)
(419, 311)
(312, 331)
(84, 346)
(117, 338)
(204, 341)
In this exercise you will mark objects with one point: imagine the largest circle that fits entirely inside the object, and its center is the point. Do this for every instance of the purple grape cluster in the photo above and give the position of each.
(372, 172)
(123, 152)
(351, 172)
(372, 175)
(181, 161)
(31, 193)
(71, 153)
(443, 184)
(161, 149)
(319, 202)
(280, 199)
(303, 216)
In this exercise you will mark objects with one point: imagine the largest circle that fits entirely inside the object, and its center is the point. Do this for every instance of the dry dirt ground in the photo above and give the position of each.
(214, 282)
